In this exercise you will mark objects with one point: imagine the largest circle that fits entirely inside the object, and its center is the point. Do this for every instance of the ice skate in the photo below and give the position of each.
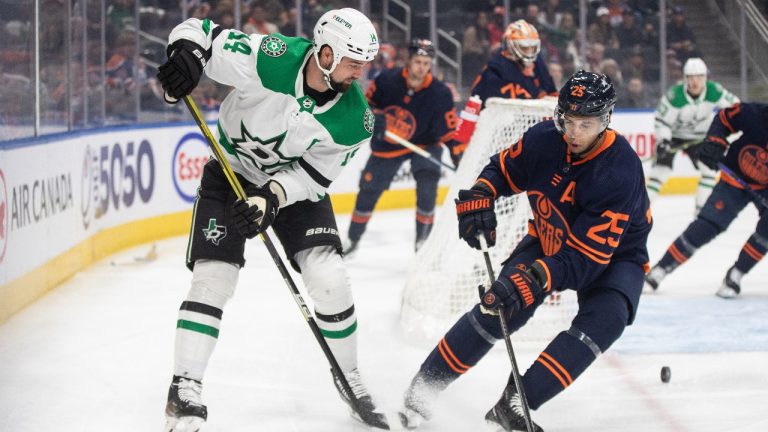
(731, 286)
(185, 411)
(655, 276)
(417, 403)
(507, 415)
(366, 412)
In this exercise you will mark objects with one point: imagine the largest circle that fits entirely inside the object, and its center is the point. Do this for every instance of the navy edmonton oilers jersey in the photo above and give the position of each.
(587, 213)
(504, 78)
(423, 115)
(747, 157)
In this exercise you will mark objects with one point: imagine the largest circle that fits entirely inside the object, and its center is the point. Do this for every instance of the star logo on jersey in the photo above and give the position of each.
(214, 233)
(263, 154)
(273, 46)
(368, 120)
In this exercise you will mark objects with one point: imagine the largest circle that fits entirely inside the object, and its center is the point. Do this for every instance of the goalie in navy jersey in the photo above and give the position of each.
(412, 104)
(586, 187)
(514, 72)
(747, 158)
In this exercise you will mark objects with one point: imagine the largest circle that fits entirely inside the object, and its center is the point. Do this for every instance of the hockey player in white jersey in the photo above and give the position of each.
(681, 121)
(295, 118)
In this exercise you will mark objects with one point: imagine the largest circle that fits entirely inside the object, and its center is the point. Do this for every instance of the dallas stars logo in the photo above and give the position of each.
(214, 233)
(264, 154)
(368, 120)
(273, 46)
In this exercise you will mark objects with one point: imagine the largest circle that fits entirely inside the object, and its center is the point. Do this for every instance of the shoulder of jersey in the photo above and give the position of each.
(676, 96)
(541, 137)
(350, 120)
(279, 60)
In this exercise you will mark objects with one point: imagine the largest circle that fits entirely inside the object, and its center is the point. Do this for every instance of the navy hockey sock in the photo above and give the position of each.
(424, 221)
(752, 252)
(698, 233)
(366, 201)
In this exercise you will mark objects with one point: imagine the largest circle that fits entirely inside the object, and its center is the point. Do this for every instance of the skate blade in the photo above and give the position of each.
(375, 420)
(183, 424)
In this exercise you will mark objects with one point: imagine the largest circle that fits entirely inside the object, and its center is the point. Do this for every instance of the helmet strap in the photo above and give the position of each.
(326, 72)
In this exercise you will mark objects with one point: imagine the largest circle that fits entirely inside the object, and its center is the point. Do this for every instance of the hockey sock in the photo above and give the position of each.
(366, 201)
(707, 182)
(600, 321)
(698, 233)
(752, 252)
(340, 331)
(659, 175)
(424, 221)
(197, 327)
(459, 350)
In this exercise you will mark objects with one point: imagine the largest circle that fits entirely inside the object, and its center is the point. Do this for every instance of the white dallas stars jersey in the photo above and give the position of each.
(267, 127)
(678, 115)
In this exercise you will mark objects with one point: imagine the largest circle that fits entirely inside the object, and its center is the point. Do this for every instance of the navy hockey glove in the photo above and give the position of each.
(474, 208)
(379, 126)
(181, 73)
(711, 152)
(515, 291)
(254, 215)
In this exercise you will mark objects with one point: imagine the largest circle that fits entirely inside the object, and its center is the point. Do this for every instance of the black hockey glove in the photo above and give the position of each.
(254, 215)
(710, 153)
(379, 127)
(456, 149)
(474, 208)
(516, 290)
(181, 73)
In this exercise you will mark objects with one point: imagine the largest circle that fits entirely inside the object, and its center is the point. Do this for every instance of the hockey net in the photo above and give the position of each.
(443, 279)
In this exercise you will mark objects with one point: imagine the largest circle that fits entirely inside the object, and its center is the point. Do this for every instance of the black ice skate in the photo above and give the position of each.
(350, 247)
(507, 415)
(185, 411)
(731, 286)
(366, 410)
(655, 276)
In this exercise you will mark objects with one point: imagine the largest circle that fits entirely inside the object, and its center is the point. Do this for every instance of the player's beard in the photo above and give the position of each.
(340, 86)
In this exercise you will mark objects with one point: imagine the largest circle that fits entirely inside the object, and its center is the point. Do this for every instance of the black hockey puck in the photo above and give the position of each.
(666, 374)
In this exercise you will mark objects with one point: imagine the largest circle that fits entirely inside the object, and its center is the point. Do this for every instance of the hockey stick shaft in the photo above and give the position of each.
(755, 196)
(240, 192)
(507, 340)
(418, 150)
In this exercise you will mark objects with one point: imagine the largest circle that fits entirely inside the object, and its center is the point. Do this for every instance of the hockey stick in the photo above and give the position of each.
(418, 150)
(508, 341)
(755, 196)
(240, 192)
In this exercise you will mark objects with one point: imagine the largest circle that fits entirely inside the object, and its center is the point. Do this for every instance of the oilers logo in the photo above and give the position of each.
(400, 122)
(550, 224)
(753, 162)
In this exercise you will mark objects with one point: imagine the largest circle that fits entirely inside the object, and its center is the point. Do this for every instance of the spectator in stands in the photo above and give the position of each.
(476, 46)
(601, 30)
(556, 71)
(595, 56)
(610, 67)
(635, 95)
(550, 15)
(288, 27)
(629, 32)
(564, 37)
(496, 28)
(257, 22)
(635, 66)
(616, 10)
(680, 38)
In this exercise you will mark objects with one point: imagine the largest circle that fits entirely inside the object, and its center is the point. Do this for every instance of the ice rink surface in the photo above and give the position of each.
(96, 354)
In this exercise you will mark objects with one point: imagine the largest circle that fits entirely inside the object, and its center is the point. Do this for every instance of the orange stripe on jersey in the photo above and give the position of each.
(548, 288)
(647, 267)
(727, 114)
(676, 254)
(586, 253)
(732, 181)
(559, 367)
(487, 183)
(450, 358)
(510, 183)
(590, 249)
(610, 138)
(752, 252)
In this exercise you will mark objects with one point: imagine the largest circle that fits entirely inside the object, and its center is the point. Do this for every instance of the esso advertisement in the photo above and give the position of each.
(189, 158)
(116, 176)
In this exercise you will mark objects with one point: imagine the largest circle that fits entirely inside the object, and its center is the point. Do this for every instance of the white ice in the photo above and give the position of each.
(96, 353)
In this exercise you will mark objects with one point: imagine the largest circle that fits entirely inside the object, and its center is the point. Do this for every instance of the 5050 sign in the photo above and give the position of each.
(114, 176)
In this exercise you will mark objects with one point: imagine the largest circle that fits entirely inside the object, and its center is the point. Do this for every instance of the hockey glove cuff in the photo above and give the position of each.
(517, 290)
(475, 210)
(254, 215)
(181, 73)
(711, 151)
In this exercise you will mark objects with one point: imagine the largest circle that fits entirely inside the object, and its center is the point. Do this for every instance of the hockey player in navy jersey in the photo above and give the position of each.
(514, 72)
(747, 158)
(411, 103)
(586, 188)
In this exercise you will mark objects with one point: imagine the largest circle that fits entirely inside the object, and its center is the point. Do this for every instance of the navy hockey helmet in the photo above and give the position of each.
(421, 47)
(586, 94)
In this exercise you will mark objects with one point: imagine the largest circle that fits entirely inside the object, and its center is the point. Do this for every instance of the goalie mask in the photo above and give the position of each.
(586, 94)
(521, 42)
(349, 34)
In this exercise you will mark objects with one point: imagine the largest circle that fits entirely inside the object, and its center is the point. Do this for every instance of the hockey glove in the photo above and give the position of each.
(711, 152)
(181, 73)
(254, 215)
(516, 290)
(456, 150)
(474, 208)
